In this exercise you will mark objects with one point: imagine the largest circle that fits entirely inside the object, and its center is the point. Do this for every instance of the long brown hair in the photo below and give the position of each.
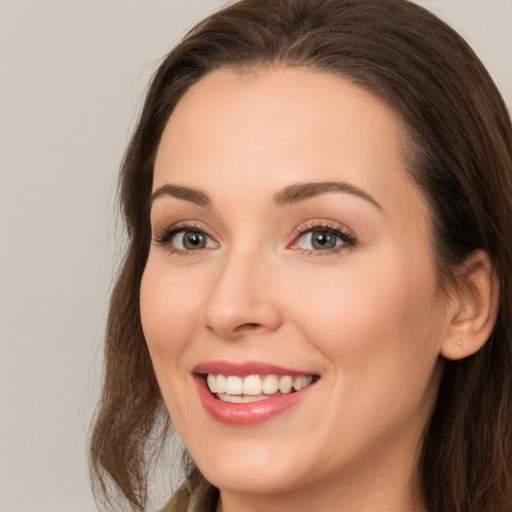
(460, 144)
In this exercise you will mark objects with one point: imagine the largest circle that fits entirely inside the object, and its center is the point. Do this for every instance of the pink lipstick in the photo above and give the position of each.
(250, 392)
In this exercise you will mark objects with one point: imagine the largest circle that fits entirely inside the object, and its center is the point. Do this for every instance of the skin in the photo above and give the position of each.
(368, 319)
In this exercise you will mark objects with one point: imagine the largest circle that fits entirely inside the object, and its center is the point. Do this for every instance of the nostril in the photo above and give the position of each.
(247, 327)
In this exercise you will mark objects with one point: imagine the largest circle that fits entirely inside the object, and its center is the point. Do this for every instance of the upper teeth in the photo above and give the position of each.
(255, 384)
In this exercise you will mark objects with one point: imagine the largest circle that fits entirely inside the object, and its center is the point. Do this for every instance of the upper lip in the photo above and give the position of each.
(245, 368)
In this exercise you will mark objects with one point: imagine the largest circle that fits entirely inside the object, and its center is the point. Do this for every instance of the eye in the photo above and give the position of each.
(320, 240)
(323, 239)
(191, 240)
(183, 239)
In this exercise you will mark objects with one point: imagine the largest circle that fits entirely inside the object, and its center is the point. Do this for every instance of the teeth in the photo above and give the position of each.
(234, 385)
(285, 384)
(304, 382)
(212, 383)
(220, 384)
(231, 388)
(241, 399)
(270, 385)
(252, 385)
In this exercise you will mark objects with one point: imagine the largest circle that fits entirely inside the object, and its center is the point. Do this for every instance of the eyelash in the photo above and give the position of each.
(167, 234)
(344, 234)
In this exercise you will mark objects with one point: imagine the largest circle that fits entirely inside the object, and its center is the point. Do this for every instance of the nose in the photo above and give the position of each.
(242, 299)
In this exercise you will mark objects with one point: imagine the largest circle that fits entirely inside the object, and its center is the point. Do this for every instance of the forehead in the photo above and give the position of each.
(281, 126)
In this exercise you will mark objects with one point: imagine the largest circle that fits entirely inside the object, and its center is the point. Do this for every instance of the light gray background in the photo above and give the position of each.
(72, 75)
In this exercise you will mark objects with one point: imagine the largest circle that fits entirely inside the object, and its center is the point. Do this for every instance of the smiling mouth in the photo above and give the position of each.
(254, 388)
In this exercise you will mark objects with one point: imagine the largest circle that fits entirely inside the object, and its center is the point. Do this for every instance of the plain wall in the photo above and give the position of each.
(72, 75)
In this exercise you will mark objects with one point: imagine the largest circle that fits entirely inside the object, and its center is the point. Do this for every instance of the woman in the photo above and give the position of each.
(315, 292)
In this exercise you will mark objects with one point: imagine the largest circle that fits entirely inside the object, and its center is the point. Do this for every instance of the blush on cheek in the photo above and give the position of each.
(168, 314)
(355, 317)
(155, 315)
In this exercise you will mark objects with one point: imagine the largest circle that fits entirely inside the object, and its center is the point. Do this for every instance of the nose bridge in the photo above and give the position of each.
(239, 300)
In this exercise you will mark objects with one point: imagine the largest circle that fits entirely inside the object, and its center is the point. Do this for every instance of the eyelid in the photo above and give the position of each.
(164, 236)
(342, 231)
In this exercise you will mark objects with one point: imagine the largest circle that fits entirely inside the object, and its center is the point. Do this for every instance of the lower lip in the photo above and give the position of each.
(249, 413)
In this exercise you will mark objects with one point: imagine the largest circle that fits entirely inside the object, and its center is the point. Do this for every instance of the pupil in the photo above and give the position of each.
(323, 240)
(194, 240)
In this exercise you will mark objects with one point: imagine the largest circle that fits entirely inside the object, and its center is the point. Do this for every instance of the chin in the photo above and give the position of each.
(249, 478)
(262, 468)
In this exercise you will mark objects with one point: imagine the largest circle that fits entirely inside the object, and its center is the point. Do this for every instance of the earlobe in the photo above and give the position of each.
(475, 307)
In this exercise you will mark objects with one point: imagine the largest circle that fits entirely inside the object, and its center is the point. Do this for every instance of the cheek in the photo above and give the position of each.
(168, 308)
(370, 314)
(378, 330)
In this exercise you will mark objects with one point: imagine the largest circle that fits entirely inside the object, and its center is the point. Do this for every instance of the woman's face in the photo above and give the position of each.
(290, 248)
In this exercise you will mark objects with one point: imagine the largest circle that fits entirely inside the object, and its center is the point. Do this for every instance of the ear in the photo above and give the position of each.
(473, 308)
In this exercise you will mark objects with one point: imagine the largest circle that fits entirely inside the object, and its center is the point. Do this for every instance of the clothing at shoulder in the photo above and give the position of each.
(186, 499)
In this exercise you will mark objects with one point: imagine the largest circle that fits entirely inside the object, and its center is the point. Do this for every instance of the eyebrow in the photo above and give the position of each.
(289, 195)
(302, 191)
(179, 192)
